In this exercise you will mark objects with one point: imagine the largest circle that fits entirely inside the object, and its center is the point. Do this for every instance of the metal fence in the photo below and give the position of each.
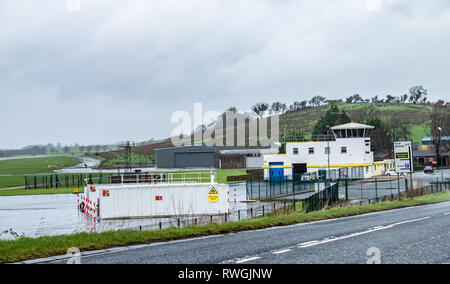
(178, 177)
(436, 187)
(253, 210)
(65, 180)
(260, 189)
(374, 189)
(79, 180)
(324, 198)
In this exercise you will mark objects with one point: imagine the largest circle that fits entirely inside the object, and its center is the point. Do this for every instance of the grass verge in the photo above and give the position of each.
(28, 248)
(38, 191)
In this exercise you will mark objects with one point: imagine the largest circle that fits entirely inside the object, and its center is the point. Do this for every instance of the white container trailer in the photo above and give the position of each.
(116, 201)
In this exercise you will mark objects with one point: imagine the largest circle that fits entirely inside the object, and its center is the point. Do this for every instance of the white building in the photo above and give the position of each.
(347, 153)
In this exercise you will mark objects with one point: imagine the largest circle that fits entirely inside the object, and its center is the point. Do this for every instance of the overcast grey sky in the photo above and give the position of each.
(117, 69)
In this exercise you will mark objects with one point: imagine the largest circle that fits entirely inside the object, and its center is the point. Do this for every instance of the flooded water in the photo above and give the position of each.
(47, 215)
(40, 215)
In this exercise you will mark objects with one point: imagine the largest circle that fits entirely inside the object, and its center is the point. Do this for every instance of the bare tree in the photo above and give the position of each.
(438, 126)
(317, 100)
(260, 108)
(418, 94)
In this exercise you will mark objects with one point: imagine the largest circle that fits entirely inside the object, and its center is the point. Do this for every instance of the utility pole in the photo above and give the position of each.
(411, 165)
(328, 151)
(440, 167)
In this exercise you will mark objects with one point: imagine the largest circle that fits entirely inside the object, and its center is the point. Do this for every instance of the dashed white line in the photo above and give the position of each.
(379, 228)
(281, 251)
(448, 213)
(411, 221)
(247, 259)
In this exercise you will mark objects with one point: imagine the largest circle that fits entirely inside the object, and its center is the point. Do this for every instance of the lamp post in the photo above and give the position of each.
(438, 150)
(328, 152)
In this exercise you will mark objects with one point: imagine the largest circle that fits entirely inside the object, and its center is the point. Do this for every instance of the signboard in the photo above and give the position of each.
(213, 195)
(403, 157)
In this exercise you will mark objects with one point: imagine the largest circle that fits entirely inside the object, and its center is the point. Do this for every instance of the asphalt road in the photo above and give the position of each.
(361, 190)
(411, 235)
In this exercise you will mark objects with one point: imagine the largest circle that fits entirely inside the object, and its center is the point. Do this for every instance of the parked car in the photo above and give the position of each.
(392, 172)
(428, 170)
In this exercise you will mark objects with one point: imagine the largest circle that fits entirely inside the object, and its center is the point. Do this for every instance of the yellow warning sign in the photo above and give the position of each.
(213, 195)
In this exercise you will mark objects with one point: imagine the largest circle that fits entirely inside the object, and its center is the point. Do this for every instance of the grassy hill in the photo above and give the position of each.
(415, 116)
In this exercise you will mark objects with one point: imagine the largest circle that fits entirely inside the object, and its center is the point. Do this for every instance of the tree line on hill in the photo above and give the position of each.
(51, 149)
(76, 149)
(417, 95)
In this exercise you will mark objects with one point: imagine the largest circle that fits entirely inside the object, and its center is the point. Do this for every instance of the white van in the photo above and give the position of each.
(392, 172)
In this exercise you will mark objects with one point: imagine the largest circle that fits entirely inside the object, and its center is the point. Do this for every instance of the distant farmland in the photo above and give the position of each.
(36, 165)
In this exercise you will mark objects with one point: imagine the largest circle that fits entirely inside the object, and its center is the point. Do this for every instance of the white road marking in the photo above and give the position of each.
(411, 221)
(379, 228)
(448, 213)
(281, 251)
(247, 259)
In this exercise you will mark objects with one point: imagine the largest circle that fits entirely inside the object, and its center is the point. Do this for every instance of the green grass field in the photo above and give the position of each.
(29, 248)
(36, 165)
(11, 181)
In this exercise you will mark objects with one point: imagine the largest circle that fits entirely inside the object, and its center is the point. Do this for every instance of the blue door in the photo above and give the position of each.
(277, 174)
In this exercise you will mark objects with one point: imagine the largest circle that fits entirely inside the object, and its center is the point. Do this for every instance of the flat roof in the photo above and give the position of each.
(429, 138)
(352, 125)
(249, 151)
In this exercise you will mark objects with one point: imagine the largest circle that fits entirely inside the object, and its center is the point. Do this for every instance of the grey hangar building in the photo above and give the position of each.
(216, 157)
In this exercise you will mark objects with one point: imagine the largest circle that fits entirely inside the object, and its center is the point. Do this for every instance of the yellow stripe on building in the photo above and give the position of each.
(326, 166)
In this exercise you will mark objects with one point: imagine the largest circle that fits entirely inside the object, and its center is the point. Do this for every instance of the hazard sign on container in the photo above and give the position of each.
(213, 195)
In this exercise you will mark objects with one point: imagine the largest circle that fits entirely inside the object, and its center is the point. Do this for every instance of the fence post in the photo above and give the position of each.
(239, 215)
(376, 189)
(406, 185)
(361, 190)
(346, 189)
(263, 211)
